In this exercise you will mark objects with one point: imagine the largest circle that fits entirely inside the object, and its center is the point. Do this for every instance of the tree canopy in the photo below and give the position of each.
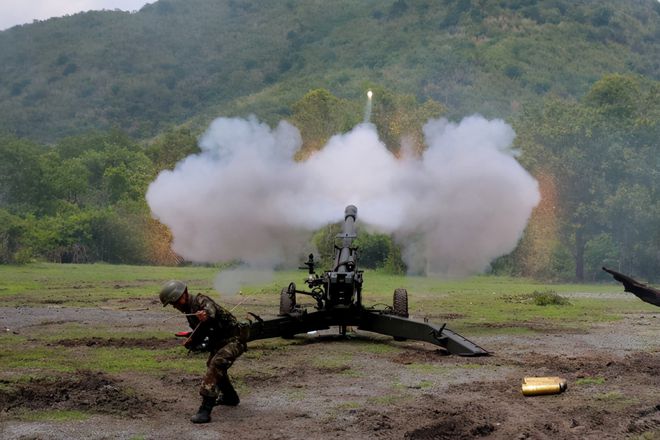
(189, 61)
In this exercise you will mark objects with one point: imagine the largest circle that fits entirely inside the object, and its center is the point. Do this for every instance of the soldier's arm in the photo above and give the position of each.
(208, 306)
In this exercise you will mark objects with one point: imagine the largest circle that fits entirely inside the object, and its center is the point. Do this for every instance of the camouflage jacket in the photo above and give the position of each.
(220, 325)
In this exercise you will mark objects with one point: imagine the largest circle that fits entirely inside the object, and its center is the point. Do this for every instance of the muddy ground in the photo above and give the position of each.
(367, 386)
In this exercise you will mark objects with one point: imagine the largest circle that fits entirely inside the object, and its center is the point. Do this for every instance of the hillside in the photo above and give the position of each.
(178, 61)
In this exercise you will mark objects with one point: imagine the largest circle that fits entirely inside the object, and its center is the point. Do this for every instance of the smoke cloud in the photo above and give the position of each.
(465, 202)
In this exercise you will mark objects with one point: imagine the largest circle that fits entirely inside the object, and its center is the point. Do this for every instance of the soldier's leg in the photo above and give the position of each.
(208, 392)
(228, 396)
(204, 412)
(217, 372)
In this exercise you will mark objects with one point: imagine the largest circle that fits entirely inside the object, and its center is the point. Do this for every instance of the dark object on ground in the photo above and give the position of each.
(204, 413)
(338, 295)
(641, 291)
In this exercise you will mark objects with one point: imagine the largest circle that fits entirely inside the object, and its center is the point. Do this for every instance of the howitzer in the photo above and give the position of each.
(642, 291)
(338, 296)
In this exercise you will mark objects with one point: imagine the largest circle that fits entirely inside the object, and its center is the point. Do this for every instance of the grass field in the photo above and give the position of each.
(471, 301)
(82, 341)
(477, 305)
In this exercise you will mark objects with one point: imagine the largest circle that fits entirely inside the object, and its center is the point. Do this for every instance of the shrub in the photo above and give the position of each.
(548, 298)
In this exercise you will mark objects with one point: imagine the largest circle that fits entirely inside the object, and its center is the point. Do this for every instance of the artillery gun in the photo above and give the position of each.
(338, 296)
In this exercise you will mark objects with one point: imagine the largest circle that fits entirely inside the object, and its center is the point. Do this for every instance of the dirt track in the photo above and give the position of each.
(368, 386)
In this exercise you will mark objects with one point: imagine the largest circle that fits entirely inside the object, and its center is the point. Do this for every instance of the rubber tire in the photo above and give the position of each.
(287, 300)
(400, 303)
(287, 304)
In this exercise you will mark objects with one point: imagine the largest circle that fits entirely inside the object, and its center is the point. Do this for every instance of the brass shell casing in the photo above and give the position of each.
(537, 386)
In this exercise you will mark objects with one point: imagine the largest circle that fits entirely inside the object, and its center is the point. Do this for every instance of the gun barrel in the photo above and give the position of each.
(348, 230)
(350, 211)
(344, 255)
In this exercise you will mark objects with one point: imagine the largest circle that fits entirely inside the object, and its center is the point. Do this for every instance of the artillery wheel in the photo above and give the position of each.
(400, 306)
(287, 304)
(400, 303)
(287, 299)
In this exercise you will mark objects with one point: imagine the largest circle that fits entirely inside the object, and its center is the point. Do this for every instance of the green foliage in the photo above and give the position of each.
(171, 147)
(548, 298)
(373, 249)
(195, 61)
(60, 415)
(538, 298)
(324, 242)
(399, 119)
(320, 115)
(394, 264)
(590, 381)
(615, 96)
(602, 154)
(22, 184)
(12, 230)
(600, 251)
(562, 264)
(80, 201)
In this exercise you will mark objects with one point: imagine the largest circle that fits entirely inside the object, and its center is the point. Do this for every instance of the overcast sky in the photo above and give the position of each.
(13, 12)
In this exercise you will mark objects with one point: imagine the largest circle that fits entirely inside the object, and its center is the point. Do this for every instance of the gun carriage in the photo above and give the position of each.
(338, 296)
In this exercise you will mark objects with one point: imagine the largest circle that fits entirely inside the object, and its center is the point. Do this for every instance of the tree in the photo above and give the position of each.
(319, 115)
(399, 119)
(12, 230)
(68, 178)
(601, 153)
(374, 249)
(22, 184)
(171, 147)
(615, 96)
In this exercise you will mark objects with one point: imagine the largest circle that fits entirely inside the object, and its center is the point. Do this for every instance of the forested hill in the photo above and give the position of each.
(181, 60)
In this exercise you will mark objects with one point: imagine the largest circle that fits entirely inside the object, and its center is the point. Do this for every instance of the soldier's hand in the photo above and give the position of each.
(202, 315)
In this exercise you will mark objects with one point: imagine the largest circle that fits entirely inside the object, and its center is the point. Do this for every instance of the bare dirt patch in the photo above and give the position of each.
(84, 390)
(366, 386)
(148, 343)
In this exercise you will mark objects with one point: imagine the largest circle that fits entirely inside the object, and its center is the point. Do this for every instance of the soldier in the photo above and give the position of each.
(214, 329)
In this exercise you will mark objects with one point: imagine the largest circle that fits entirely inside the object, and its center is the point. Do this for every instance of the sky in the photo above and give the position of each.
(15, 12)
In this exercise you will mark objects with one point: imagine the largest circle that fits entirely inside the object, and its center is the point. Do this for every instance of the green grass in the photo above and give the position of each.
(117, 360)
(347, 406)
(425, 384)
(21, 357)
(333, 361)
(615, 399)
(648, 435)
(91, 285)
(473, 306)
(375, 347)
(54, 416)
(590, 381)
(17, 354)
(386, 400)
(544, 298)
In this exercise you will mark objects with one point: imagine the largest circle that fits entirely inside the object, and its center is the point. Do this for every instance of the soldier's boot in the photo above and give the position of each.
(228, 395)
(204, 413)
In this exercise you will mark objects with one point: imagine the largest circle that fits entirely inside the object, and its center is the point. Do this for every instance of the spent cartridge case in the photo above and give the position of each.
(537, 386)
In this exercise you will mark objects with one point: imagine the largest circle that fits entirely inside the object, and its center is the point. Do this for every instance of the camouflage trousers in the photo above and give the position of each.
(216, 378)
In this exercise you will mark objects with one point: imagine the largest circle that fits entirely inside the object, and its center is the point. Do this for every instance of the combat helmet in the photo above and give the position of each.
(172, 291)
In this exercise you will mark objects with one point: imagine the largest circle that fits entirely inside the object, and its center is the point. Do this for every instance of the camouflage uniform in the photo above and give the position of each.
(228, 341)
